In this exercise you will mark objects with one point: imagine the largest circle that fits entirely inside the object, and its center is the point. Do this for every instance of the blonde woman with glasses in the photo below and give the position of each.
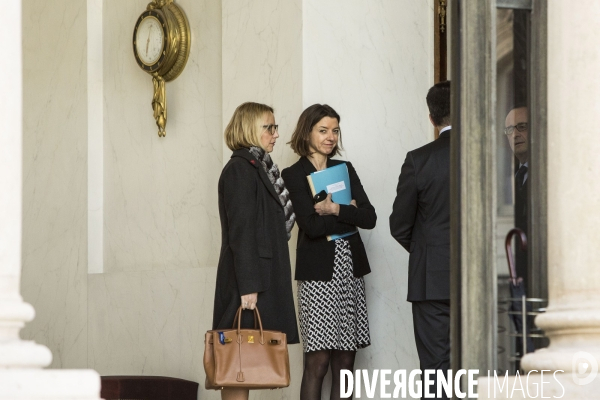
(256, 220)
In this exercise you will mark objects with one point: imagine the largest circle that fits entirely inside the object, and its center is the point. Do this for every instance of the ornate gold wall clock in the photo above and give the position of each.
(161, 46)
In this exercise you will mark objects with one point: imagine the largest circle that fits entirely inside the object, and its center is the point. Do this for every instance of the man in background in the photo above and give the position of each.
(517, 131)
(420, 222)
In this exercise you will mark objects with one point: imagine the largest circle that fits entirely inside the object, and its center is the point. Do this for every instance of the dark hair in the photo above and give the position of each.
(300, 141)
(438, 101)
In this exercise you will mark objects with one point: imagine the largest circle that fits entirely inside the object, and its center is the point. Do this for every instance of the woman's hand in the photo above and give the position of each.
(353, 202)
(249, 301)
(327, 207)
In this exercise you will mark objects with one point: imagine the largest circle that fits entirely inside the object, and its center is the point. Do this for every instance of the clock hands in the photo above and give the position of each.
(148, 41)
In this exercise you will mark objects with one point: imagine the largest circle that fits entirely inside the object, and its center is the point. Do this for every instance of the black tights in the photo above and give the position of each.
(316, 364)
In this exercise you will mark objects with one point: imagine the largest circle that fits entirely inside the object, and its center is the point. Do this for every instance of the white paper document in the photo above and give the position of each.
(336, 187)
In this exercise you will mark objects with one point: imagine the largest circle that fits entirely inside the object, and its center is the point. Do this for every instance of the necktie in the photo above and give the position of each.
(520, 177)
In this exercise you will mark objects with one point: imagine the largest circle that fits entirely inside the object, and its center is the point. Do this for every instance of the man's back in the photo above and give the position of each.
(420, 220)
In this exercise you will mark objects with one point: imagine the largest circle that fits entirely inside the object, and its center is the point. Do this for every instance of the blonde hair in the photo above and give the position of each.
(243, 130)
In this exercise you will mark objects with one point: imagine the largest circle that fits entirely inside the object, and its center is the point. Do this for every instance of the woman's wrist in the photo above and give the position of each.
(336, 209)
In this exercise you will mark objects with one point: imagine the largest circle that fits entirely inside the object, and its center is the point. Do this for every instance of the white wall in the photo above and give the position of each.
(147, 311)
(54, 275)
(373, 63)
(262, 62)
(160, 211)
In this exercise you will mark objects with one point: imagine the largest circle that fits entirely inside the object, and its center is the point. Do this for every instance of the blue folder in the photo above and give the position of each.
(334, 180)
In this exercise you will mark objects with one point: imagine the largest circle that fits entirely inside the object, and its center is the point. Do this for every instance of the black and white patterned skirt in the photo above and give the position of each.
(333, 314)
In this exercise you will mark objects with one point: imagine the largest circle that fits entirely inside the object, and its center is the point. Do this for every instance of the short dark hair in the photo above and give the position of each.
(300, 141)
(438, 101)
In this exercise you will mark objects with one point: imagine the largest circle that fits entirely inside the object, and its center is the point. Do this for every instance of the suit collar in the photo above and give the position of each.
(445, 134)
(244, 153)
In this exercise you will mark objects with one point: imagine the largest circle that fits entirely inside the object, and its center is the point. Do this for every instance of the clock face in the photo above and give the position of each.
(149, 40)
(161, 40)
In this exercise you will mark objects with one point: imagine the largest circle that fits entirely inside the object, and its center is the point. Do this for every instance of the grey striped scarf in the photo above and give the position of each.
(275, 177)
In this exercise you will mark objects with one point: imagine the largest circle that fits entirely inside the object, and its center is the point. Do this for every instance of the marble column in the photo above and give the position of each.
(21, 362)
(572, 320)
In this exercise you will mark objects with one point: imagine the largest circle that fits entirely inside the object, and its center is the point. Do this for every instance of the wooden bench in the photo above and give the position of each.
(147, 388)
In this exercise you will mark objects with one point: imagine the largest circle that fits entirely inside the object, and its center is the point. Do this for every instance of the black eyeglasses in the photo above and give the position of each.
(271, 128)
(521, 127)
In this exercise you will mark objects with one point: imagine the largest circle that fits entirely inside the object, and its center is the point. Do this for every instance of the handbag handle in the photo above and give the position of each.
(238, 317)
(509, 255)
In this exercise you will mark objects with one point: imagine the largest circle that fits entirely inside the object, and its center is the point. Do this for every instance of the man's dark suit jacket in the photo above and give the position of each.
(315, 256)
(420, 219)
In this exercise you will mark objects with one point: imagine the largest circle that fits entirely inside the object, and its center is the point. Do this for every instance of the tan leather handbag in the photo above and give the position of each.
(246, 358)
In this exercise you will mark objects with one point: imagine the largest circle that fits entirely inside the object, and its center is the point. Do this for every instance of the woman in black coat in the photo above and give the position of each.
(331, 291)
(256, 220)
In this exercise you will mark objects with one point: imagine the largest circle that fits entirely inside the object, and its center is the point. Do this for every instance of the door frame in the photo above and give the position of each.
(474, 285)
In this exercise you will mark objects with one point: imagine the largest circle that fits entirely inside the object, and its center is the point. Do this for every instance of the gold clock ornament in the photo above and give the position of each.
(161, 46)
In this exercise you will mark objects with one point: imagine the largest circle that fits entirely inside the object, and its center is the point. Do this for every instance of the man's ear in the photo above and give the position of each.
(431, 120)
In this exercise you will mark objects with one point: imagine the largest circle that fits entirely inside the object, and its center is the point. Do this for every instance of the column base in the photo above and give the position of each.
(567, 360)
(34, 384)
(23, 354)
(574, 335)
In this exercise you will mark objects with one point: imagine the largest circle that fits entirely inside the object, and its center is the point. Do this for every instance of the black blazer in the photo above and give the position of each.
(314, 254)
(254, 249)
(420, 219)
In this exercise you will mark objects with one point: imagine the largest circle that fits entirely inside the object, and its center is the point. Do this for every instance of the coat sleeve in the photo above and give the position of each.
(241, 207)
(363, 215)
(308, 220)
(404, 210)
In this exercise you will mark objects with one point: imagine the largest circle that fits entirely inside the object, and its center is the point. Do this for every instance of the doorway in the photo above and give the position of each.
(499, 173)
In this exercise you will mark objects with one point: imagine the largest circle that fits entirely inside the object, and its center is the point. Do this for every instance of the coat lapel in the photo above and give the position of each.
(244, 153)
(310, 168)
(307, 166)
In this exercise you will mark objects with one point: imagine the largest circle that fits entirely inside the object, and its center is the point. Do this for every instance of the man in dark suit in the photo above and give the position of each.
(420, 222)
(517, 132)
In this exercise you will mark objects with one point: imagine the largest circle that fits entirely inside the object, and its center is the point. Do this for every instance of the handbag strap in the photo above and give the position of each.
(238, 317)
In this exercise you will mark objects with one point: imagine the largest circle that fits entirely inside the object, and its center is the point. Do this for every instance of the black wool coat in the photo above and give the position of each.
(315, 254)
(254, 249)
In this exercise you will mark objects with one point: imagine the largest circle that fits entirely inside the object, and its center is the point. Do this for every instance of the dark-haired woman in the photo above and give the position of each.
(331, 290)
